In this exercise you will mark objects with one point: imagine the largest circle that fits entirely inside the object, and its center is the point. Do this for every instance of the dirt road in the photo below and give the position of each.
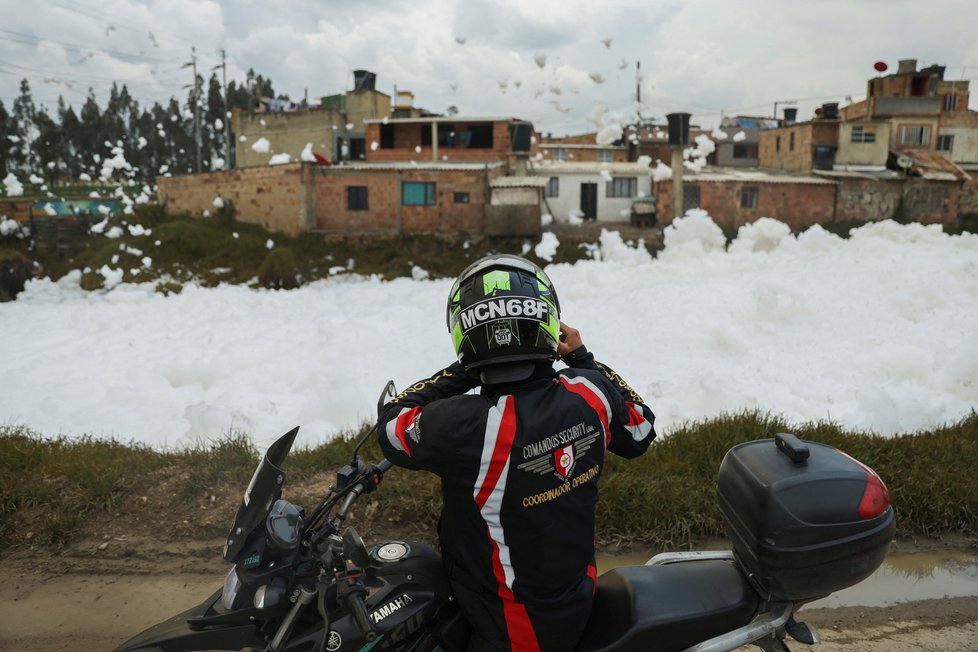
(93, 599)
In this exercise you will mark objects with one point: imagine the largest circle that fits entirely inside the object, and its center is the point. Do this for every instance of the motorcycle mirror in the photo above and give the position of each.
(388, 393)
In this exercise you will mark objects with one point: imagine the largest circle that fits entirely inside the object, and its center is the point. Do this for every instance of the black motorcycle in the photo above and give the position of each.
(805, 520)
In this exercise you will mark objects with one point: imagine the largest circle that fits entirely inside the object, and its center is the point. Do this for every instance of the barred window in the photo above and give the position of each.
(862, 134)
(553, 188)
(950, 102)
(622, 187)
(748, 197)
(356, 198)
(914, 135)
(945, 143)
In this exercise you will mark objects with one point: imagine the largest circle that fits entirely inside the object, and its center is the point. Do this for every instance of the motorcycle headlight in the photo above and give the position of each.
(230, 591)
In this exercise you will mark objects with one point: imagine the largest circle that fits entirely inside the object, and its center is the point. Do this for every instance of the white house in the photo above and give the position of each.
(596, 191)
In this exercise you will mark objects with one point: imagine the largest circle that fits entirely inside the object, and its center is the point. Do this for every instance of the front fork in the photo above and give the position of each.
(306, 596)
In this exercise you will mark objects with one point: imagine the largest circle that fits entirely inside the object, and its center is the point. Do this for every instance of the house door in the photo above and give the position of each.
(691, 196)
(589, 200)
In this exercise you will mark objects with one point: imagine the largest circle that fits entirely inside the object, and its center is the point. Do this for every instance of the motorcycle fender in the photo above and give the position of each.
(176, 634)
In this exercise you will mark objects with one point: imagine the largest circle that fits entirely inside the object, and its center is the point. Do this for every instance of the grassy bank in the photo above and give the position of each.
(219, 249)
(51, 489)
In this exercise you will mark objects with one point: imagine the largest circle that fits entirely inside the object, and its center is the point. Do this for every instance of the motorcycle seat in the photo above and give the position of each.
(667, 607)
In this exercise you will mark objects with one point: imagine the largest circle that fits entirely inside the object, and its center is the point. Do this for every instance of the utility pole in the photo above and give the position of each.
(196, 100)
(227, 112)
(638, 91)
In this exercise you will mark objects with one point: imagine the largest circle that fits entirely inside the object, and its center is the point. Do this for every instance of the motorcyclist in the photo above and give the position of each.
(520, 460)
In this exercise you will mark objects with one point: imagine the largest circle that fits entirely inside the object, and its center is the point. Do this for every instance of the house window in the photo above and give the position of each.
(914, 135)
(446, 135)
(387, 136)
(605, 155)
(418, 193)
(950, 102)
(356, 198)
(777, 143)
(622, 187)
(861, 134)
(791, 141)
(478, 136)
(945, 143)
(748, 197)
(553, 188)
(461, 198)
(745, 151)
(559, 153)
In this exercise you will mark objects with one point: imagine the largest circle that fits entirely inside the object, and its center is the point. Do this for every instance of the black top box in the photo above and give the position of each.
(805, 519)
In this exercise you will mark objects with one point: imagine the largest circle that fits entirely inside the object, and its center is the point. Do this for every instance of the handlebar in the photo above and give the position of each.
(354, 602)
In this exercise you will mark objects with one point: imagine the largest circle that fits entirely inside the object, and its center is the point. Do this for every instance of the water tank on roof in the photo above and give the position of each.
(905, 66)
(364, 80)
(678, 128)
(830, 110)
(790, 114)
(521, 136)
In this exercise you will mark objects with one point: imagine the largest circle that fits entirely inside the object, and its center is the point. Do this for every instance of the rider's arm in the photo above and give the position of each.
(400, 422)
(632, 421)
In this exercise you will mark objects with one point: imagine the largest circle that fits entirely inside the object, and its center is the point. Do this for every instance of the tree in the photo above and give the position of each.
(89, 134)
(6, 130)
(71, 148)
(24, 116)
(47, 146)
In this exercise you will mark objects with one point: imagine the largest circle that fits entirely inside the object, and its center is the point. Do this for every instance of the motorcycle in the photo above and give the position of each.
(804, 519)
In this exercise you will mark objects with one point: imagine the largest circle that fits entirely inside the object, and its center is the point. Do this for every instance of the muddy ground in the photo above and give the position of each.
(95, 593)
(160, 554)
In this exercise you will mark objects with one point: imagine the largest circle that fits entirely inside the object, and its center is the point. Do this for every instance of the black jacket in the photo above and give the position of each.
(519, 467)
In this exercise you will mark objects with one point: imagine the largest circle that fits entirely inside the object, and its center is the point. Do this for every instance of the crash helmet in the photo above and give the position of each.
(504, 318)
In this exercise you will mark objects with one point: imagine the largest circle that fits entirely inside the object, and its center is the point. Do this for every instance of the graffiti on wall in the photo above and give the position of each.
(869, 206)
(923, 200)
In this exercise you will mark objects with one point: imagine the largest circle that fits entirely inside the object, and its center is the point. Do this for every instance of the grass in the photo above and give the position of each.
(664, 498)
(219, 249)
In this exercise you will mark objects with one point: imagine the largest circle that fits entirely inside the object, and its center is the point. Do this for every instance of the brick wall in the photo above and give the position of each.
(287, 133)
(968, 200)
(799, 205)
(386, 214)
(868, 200)
(407, 138)
(277, 197)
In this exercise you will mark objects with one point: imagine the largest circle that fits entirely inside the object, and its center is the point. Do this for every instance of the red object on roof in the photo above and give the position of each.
(321, 159)
(880, 66)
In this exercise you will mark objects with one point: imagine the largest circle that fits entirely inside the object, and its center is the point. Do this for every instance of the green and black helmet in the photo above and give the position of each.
(504, 317)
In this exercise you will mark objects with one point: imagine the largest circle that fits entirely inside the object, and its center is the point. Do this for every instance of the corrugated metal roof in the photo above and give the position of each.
(579, 167)
(579, 146)
(519, 182)
(417, 165)
(726, 175)
(441, 118)
(931, 165)
(874, 174)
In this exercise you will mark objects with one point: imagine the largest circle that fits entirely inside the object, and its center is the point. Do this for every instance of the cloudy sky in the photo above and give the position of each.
(567, 65)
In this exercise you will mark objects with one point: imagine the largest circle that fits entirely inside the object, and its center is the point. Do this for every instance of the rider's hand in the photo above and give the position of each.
(570, 340)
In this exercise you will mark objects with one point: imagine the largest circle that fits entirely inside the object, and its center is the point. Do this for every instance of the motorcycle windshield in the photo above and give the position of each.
(262, 492)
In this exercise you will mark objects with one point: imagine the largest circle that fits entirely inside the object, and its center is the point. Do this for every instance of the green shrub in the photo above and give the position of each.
(15, 270)
(278, 271)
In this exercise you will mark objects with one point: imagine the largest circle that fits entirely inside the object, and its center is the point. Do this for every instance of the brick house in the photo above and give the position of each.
(735, 197)
(582, 148)
(334, 128)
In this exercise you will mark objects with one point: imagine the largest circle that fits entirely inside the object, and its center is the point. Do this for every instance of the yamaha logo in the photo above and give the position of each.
(334, 641)
(502, 308)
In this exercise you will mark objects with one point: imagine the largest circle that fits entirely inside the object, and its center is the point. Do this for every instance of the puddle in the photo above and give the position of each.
(903, 577)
